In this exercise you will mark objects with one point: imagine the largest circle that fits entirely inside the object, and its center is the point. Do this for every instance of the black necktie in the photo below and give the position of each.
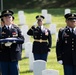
(8, 28)
(40, 27)
(72, 30)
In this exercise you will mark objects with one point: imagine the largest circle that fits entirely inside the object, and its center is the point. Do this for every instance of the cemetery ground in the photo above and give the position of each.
(58, 19)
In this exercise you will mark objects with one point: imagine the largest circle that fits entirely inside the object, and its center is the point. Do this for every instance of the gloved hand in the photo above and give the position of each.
(60, 62)
(8, 44)
(33, 27)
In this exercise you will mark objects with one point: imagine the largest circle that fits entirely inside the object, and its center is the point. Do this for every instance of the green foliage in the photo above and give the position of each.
(26, 4)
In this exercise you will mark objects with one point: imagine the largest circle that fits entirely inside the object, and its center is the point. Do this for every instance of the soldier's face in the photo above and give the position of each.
(40, 23)
(71, 23)
(7, 19)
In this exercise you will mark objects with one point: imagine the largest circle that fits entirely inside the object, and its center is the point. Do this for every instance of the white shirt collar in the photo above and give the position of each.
(71, 28)
(9, 26)
(42, 27)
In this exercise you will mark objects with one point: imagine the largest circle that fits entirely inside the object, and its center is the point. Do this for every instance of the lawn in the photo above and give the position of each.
(58, 19)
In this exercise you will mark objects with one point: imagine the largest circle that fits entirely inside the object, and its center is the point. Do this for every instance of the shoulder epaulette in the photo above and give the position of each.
(62, 29)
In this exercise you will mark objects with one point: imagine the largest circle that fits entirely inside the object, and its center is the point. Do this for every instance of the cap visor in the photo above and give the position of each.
(6, 15)
(72, 18)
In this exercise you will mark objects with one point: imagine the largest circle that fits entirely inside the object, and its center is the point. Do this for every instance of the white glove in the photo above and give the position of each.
(8, 44)
(60, 62)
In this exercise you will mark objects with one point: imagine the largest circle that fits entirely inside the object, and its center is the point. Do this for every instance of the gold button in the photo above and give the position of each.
(72, 49)
(35, 36)
(72, 38)
(72, 42)
(72, 45)
(40, 40)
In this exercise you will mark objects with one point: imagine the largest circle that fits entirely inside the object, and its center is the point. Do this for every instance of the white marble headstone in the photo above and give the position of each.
(53, 28)
(28, 48)
(24, 29)
(44, 12)
(31, 59)
(50, 72)
(21, 16)
(67, 11)
(56, 36)
(48, 19)
(27, 39)
(38, 66)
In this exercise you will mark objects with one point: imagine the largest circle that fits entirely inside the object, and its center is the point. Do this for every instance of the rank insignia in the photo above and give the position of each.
(65, 35)
(14, 34)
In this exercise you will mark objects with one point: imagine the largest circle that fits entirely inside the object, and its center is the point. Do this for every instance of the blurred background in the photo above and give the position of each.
(31, 4)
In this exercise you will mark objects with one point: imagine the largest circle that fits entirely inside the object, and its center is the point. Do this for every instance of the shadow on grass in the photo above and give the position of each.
(53, 47)
(27, 71)
(24, 57)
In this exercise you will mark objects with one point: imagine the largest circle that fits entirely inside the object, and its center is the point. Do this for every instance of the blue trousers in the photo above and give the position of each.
(69, 70)
(40, 56)
(9, 68)
(0, 69)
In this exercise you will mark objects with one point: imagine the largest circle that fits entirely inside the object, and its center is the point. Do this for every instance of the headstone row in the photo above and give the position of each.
(39, 68)
(47, 16)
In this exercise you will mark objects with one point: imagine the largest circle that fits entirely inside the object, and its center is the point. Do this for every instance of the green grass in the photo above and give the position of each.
(51, 62)
(58, 19)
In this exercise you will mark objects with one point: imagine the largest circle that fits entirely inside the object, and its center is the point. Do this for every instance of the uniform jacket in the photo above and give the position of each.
(66, 46)
(38, 34)
(12, 53)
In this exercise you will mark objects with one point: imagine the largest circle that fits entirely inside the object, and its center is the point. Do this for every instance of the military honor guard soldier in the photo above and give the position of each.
(10, 52)
(66, 45)
(42, 39)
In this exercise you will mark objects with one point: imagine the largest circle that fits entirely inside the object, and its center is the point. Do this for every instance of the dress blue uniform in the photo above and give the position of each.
(66, 46)
(42, 41)
(10, 55)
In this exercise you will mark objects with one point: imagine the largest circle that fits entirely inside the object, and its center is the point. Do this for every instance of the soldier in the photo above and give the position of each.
(10, 53)
(0, 36)
(42, 39)
(66, 45)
